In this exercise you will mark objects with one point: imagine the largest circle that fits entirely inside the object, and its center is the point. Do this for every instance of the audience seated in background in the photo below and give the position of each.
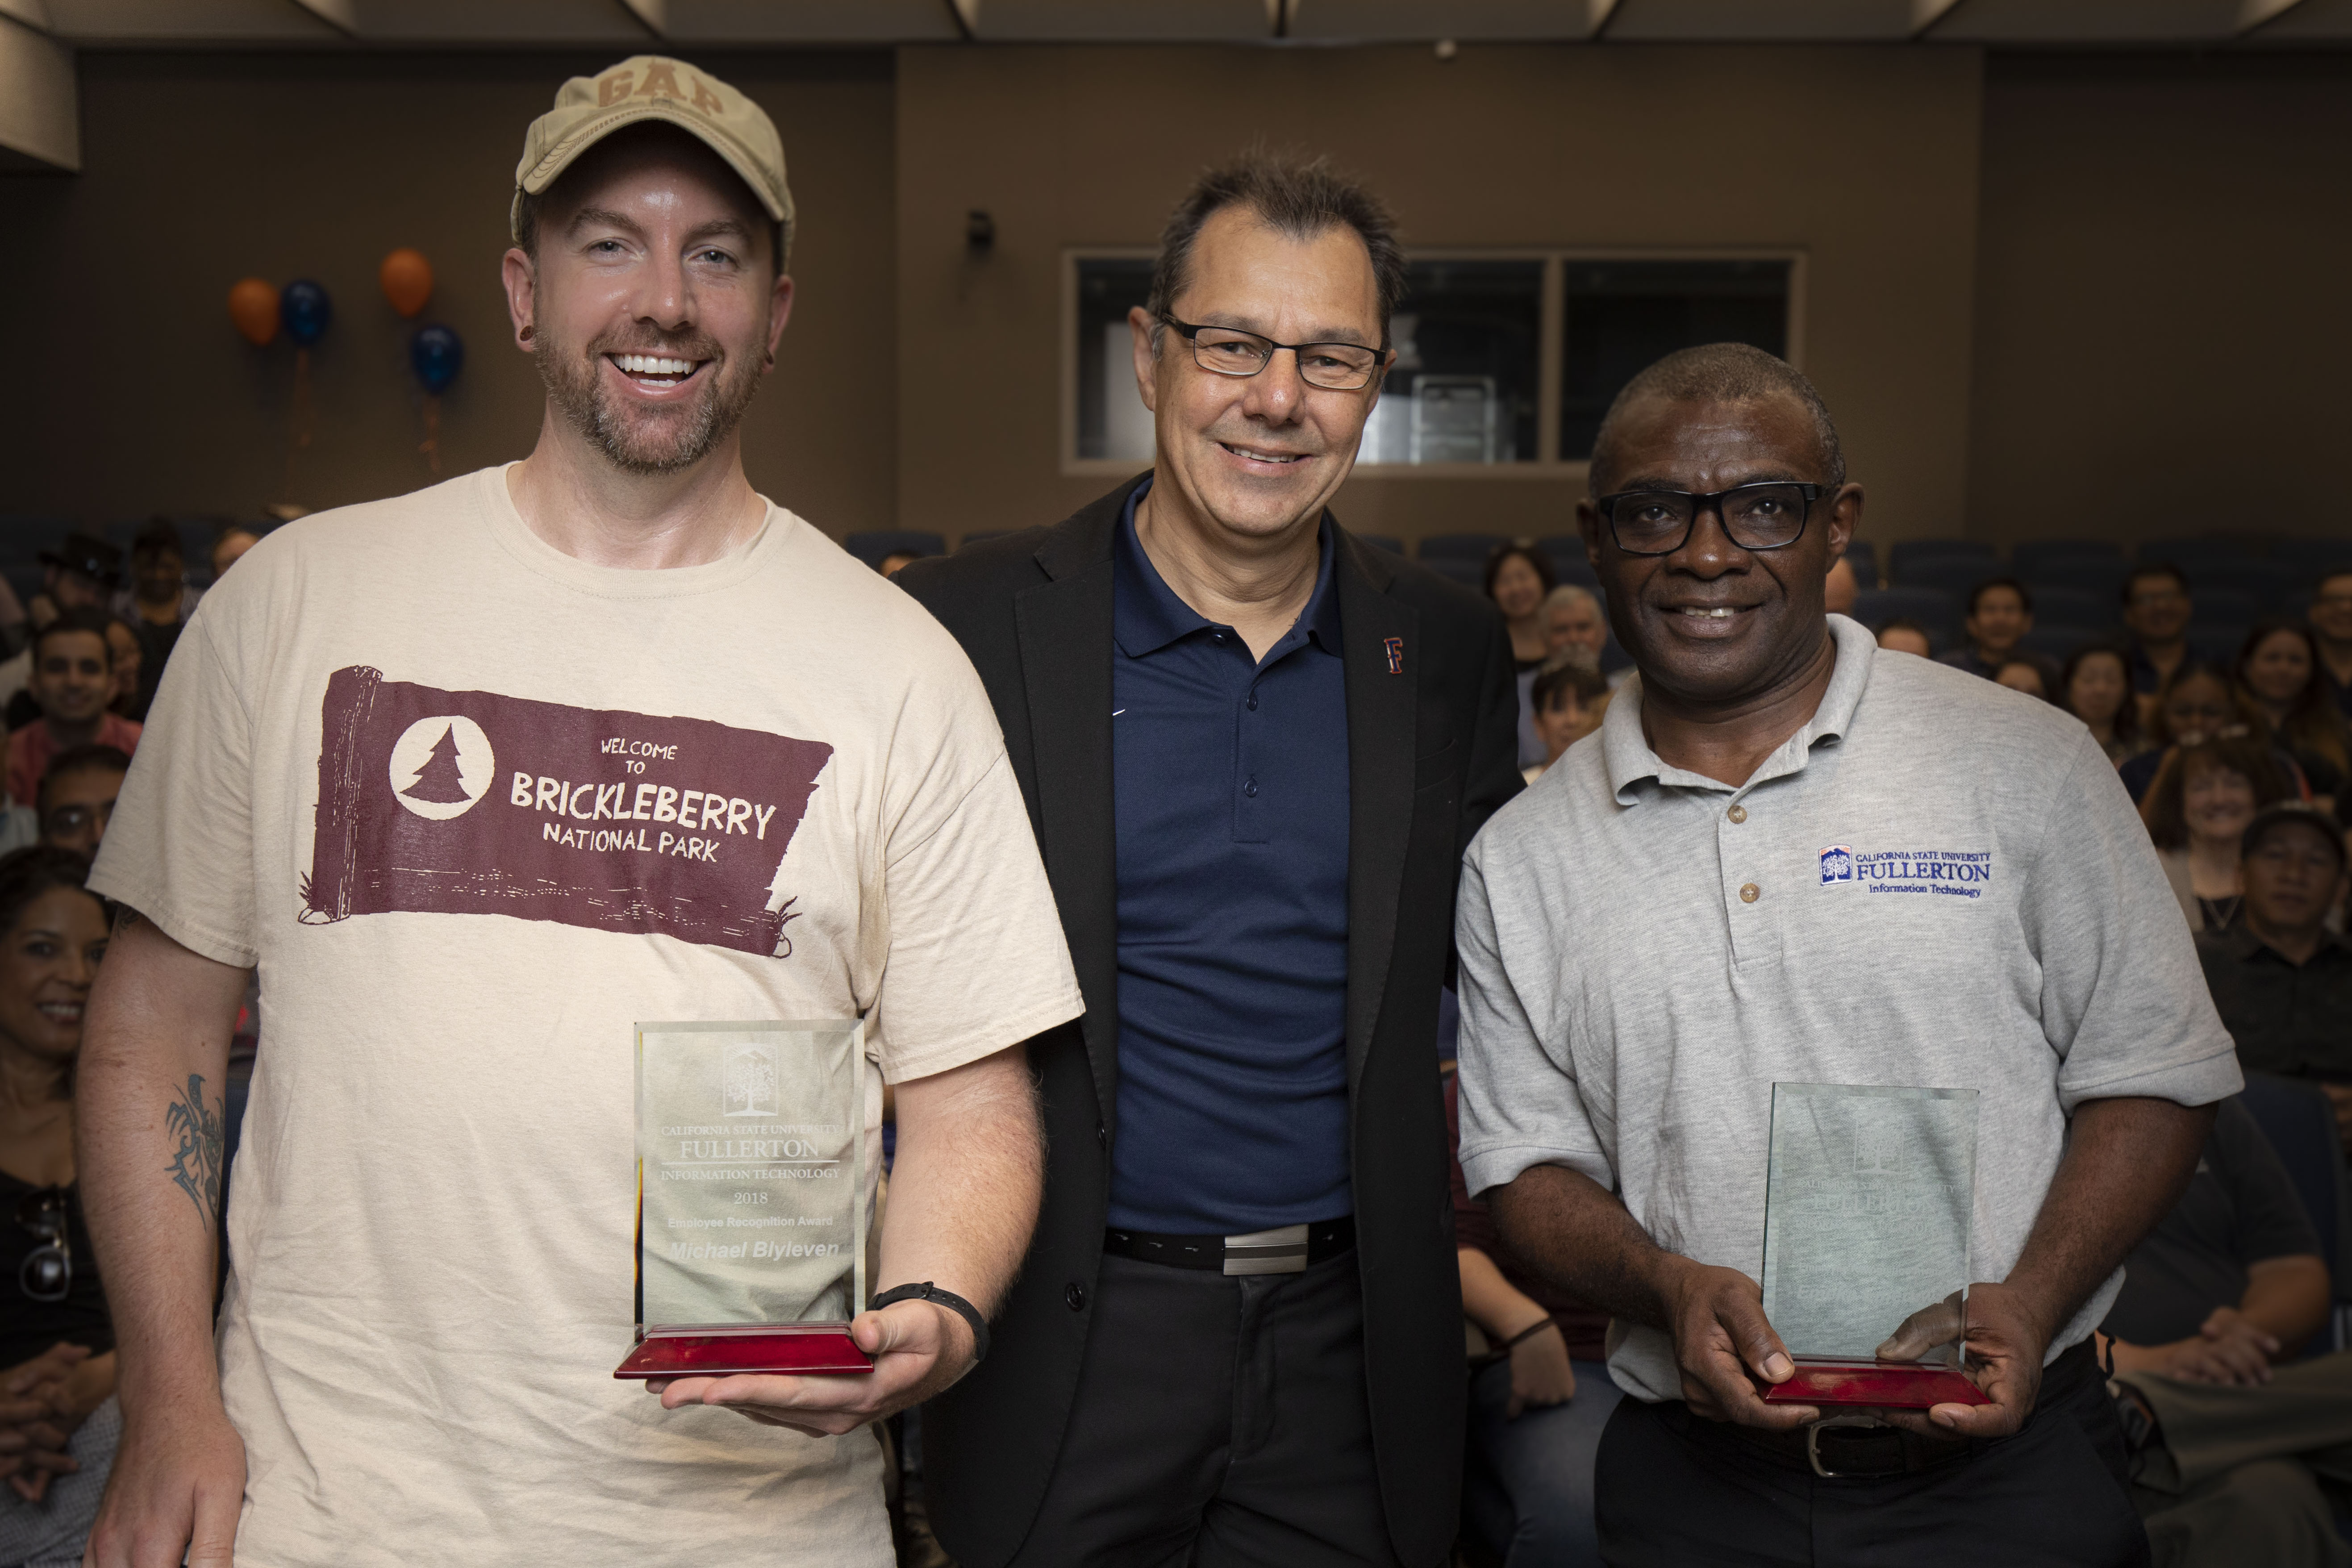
(2156, 609)
(2204, 797)
(1572, 623)
(77, 796)
(2196, 699)
(57, 1418)
(156, 605)
(123, 641)
(1570, 698)
(233, 542)
(1840, 590)
(2279, 674)
(2283, 981)
(2095, 687)
(1539, 1397)
(1519, 579)
(2226, 1427)
(2331, 629)
(73, 679)
(2020, 674)
(1901, 635)
(80, 574)
(2000, 612)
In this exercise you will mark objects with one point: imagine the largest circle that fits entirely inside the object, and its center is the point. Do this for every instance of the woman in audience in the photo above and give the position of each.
(57, 1419)
(2204, 794)
(1517, 579)
(2023, 674)
(2196, 699)
(2095, 687)
(2279, 673)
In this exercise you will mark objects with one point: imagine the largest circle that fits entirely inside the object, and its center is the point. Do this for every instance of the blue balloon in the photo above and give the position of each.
(305, 310)
(438, 355)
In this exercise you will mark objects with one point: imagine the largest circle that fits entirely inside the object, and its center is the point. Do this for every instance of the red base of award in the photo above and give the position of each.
(719, 1352)
(1891, 1384)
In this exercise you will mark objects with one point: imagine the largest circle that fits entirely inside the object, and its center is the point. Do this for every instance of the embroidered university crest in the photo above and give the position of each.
(1837, 864)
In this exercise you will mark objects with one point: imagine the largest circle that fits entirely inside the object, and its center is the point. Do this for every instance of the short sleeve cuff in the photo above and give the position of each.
(204, 939)
(946, 1056)
(1484, 1169)
(2209, 1078)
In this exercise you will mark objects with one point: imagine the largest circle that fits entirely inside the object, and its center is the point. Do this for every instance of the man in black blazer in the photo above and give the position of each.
(1254, 750)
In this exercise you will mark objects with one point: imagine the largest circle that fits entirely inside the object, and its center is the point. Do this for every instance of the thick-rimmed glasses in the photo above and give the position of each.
(1768, 516)
(47, 1273)
(1229, 350)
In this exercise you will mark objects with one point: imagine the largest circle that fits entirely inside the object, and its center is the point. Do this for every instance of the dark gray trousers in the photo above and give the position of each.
(1218, 1423)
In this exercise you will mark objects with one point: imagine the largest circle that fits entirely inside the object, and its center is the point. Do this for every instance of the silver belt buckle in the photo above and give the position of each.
(1813, 1442)
(1282, 1250)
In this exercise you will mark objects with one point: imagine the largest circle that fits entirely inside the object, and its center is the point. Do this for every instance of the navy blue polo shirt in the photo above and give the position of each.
(1232, 797)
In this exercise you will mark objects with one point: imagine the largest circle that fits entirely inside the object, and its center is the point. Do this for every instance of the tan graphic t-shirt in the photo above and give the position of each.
(475, 808)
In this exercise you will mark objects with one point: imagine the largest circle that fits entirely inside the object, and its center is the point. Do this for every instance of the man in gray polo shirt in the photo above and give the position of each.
(1789, 857)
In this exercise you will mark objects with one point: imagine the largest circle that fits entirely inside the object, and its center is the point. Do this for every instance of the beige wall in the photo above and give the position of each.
(1865, 159)
(2164, 323)
(129, 391)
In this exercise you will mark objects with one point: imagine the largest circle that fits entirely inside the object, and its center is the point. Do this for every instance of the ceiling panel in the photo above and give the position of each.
(187, 21)
(2319, 21)
(32, 12)
(804, 21)
(1841, 21)
(2089, 21)
(551, 22)
(1420, 20)
(1237, 21)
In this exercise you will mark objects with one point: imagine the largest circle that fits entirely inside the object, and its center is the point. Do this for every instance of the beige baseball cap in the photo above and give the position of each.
(654, 87)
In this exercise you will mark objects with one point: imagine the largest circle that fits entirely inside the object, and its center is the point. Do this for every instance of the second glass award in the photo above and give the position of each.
(1866, 1211)
(750, 1198)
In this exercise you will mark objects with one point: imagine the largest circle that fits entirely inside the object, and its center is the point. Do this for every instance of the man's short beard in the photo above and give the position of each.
(574, 382)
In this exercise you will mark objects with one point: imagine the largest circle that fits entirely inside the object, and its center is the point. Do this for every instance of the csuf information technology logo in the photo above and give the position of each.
(1837, 864)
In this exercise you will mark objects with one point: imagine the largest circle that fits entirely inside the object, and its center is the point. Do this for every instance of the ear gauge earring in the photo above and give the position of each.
(526, 334)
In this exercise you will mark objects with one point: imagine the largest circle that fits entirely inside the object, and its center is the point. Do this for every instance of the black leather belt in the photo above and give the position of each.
(1841, 1446)
(1285, 1249)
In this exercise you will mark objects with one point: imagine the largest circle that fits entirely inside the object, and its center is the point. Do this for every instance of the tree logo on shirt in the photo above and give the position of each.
(1837, 864)
(442, 765)
(749, 1086)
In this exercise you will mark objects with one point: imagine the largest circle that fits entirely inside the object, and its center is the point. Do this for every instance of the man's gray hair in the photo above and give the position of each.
(1570, 594)
(1716, 373)
(1296, 197)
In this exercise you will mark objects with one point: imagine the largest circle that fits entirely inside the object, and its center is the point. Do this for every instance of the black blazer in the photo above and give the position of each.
(1431, 753)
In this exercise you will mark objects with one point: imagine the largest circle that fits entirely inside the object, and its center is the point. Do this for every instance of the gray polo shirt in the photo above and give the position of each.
(1937, 882)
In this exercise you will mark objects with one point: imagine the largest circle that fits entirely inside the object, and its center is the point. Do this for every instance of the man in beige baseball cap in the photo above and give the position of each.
(485, 777)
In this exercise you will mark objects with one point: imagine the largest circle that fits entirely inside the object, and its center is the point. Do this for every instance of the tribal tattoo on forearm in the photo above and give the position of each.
(196, 1165)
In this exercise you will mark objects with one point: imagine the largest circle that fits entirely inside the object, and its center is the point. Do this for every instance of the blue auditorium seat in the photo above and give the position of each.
(2054, 603)
(873, 546)
(2307, 558)
(1864, 557)
(1931, 607)
(1461, 568)
(2194, 553)
(2087, 573)
(1955, 574)
(1908, 550)
(2029, 556)
(2301, 1126)
(2059, 640)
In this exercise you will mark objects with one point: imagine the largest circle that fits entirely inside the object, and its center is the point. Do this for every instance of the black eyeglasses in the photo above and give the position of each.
(47, 1273)
(1229, 350)
(1768, 516)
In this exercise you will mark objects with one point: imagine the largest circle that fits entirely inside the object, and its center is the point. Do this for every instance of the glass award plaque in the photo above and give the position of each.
(750, 1198)
(1867, 1210)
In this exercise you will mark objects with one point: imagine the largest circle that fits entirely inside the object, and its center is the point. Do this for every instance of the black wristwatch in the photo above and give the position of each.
(927, 1291)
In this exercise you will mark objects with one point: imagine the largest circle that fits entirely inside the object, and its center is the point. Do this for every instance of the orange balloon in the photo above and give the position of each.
(253, 306)
(408, 280)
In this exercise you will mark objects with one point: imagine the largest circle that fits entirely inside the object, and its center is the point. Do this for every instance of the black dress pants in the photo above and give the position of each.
(1674, 1489)
(1218, 1421)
